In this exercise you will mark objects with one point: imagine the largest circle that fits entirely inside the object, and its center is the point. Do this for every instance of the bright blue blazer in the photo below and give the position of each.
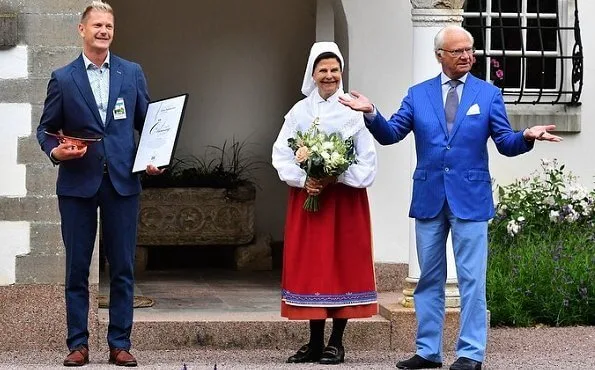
(70, 106)
(453, 167)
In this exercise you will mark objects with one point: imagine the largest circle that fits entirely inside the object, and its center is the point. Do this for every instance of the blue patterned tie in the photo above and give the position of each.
(452, 103)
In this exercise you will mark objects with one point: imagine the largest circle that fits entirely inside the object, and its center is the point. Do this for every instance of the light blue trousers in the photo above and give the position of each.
(470, 242)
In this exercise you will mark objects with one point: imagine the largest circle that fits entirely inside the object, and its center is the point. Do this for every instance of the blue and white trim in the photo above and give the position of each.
(329, 300)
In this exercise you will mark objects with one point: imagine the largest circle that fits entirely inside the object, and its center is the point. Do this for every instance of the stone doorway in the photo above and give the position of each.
(242, 65)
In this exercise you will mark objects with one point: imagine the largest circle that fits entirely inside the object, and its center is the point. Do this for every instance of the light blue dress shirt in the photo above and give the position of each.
(444, 79)
(445, 86)
(99, 81)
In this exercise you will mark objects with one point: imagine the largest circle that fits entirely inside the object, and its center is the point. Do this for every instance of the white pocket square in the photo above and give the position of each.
(473, 110)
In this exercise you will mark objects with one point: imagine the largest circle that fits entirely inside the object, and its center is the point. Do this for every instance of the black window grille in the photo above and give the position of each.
(531, 49)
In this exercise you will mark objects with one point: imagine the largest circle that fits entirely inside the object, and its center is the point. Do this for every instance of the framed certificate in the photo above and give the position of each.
(160, 133)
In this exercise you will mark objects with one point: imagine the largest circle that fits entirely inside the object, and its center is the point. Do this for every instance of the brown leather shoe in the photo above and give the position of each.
(77, 357)
(121, 357)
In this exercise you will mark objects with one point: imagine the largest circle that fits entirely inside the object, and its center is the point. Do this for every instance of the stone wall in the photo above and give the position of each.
(32, 258)
(47, 37)
(31, 251)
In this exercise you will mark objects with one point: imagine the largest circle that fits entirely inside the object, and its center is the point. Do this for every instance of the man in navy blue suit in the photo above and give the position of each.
(452, 116)
(97, 95)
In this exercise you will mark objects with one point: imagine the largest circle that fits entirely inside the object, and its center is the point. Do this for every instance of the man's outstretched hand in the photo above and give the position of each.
(541, 133)
(357, 101)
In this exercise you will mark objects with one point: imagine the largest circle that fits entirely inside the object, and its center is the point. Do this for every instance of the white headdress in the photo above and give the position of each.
(318, 48)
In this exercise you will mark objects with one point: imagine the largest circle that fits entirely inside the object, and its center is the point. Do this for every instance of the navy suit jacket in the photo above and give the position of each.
(70, 106)
(452, 167)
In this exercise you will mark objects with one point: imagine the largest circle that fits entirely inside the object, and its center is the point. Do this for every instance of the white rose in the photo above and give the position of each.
(327, 145)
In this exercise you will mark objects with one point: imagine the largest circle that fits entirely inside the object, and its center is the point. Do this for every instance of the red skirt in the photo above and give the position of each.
(328, 266)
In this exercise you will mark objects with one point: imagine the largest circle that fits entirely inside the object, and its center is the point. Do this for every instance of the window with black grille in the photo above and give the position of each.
(531, 49)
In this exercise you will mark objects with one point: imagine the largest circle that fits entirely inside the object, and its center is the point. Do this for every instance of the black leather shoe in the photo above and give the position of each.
(418, 362)
(332, 355)
(306, 354)
(464, 363)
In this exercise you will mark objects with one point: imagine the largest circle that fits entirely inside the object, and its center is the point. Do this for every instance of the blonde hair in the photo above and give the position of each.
(96, 5)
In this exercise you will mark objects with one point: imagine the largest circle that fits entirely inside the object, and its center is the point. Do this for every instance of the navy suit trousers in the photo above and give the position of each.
(119, 216)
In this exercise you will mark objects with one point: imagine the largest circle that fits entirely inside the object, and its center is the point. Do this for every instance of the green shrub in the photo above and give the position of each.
(226, 166)
(541, 266)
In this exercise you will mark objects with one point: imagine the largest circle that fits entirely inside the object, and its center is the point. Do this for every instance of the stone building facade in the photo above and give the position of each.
(388, 46)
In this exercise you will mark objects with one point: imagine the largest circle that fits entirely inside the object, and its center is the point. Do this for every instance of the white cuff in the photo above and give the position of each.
(52, 158)
(370, 116)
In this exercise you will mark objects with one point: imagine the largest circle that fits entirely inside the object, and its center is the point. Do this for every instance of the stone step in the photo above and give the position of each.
(393, 329)
(244, 331)
(34, 318)
(404, 324)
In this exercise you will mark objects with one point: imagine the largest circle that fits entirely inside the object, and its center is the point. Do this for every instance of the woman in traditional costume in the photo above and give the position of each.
(328, 267)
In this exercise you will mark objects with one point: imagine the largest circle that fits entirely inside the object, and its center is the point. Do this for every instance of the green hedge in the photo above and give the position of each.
(541, 264)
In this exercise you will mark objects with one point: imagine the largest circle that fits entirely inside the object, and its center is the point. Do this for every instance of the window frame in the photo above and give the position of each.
(564, 92)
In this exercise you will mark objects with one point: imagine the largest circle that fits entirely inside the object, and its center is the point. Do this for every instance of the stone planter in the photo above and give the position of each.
(196, 216)
(202, 217)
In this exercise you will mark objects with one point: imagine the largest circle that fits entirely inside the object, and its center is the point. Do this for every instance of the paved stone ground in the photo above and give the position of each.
(534, 348)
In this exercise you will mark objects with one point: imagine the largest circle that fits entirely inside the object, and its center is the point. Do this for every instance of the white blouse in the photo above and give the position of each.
(333, 117)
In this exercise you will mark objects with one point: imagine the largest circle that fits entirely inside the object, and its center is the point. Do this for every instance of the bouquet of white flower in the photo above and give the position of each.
(321, 155)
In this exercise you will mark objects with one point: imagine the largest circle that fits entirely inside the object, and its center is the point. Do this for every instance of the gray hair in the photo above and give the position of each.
(439, 38)
(96, 5)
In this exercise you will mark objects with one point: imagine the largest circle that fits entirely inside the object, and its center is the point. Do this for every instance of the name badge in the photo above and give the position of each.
(120, 109)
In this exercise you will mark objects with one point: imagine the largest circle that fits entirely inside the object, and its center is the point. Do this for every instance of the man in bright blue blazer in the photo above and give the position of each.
(452, 116)
(97, 95)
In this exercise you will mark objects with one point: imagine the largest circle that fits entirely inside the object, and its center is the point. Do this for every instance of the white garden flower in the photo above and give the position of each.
(513, 228)
(549, 200)
(572, 215)
(576, 192)
(549, 164)
(554, 216)
(586, 207)
(552, 193)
